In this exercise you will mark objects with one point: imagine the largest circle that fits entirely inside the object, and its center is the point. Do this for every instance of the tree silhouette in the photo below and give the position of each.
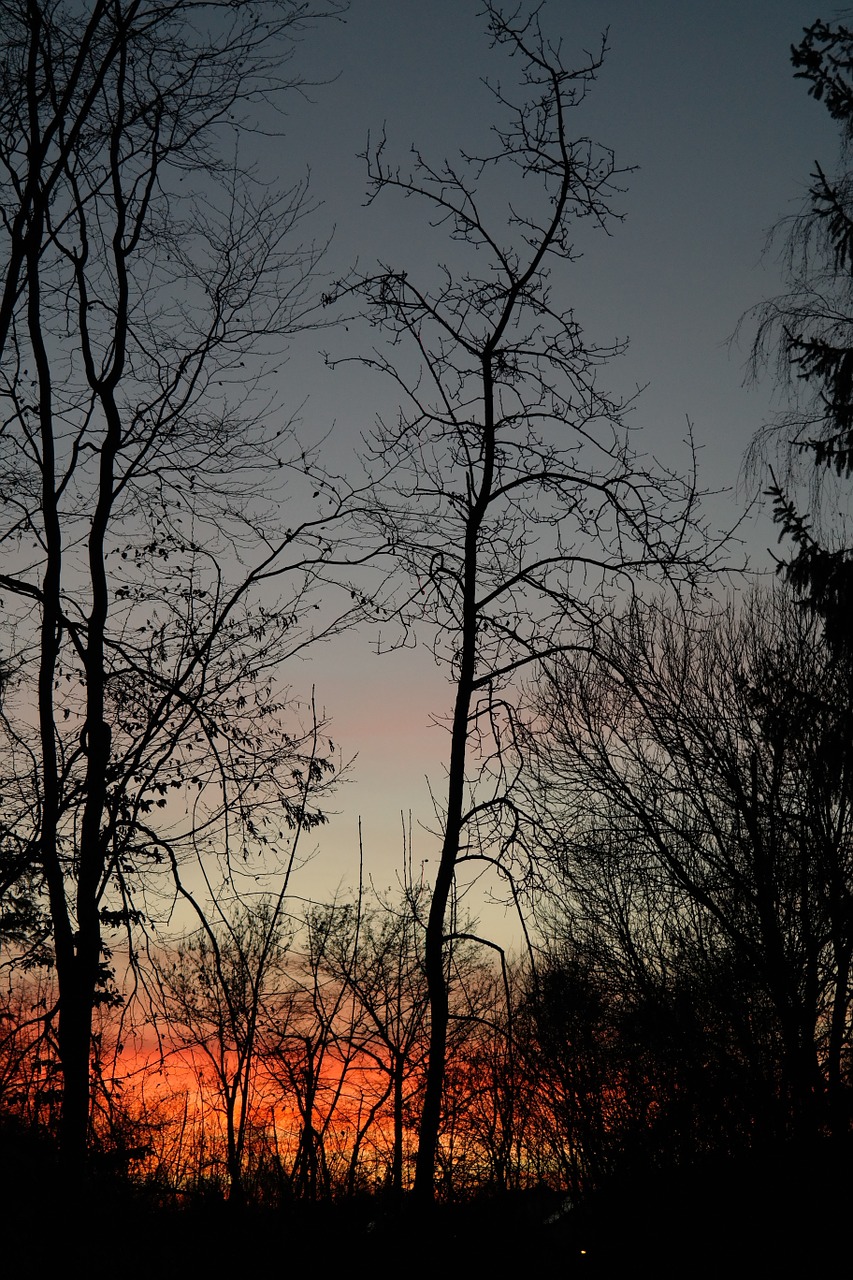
(219, 988)
(157, 570)
(508, 487)
(697, 788)
(373, 951)
(809, 331)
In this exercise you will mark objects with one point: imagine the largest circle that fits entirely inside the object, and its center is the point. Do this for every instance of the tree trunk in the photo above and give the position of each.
(437, 982)
(75, 1003)
(397, 1167)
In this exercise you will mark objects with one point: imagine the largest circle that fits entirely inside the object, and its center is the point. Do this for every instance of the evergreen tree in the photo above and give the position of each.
(811, 329)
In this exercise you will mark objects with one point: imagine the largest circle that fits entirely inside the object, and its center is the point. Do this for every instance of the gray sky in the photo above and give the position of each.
(700, 96)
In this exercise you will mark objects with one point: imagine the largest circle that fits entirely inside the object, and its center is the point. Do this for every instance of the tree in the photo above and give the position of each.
(373, 950)
(158, 571)
(219, 989)
(508, 487)
(487, 1098)
(567, 1037)
(697, 788)
(808, 329)
(311, 1054)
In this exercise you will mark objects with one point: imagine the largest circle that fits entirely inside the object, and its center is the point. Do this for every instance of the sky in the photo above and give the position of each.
(701, 98)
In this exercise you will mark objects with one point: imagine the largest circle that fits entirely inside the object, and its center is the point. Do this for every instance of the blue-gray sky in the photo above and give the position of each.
(701, 98)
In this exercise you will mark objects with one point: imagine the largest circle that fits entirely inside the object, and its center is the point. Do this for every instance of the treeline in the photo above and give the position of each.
(687, 995)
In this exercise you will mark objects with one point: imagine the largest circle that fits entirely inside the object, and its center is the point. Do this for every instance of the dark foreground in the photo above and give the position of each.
(786, 1210)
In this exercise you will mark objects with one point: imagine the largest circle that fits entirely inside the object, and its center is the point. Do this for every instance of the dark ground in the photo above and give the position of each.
(787, 1212)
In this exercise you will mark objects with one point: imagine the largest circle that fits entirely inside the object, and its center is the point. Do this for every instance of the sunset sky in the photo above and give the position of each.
(701, 98)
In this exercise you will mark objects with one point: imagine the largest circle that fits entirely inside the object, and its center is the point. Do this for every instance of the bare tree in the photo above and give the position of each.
(157, 570)
(508, 486)
(374, 951)
(697, 791)
(498, 1095)
(312, 1053)
(220, 987)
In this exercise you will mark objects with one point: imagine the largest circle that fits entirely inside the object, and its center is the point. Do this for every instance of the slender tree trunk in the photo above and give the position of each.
(97, 735)
(236, 1191)
(74, 1033)
(397, 1167)
(434, 955)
